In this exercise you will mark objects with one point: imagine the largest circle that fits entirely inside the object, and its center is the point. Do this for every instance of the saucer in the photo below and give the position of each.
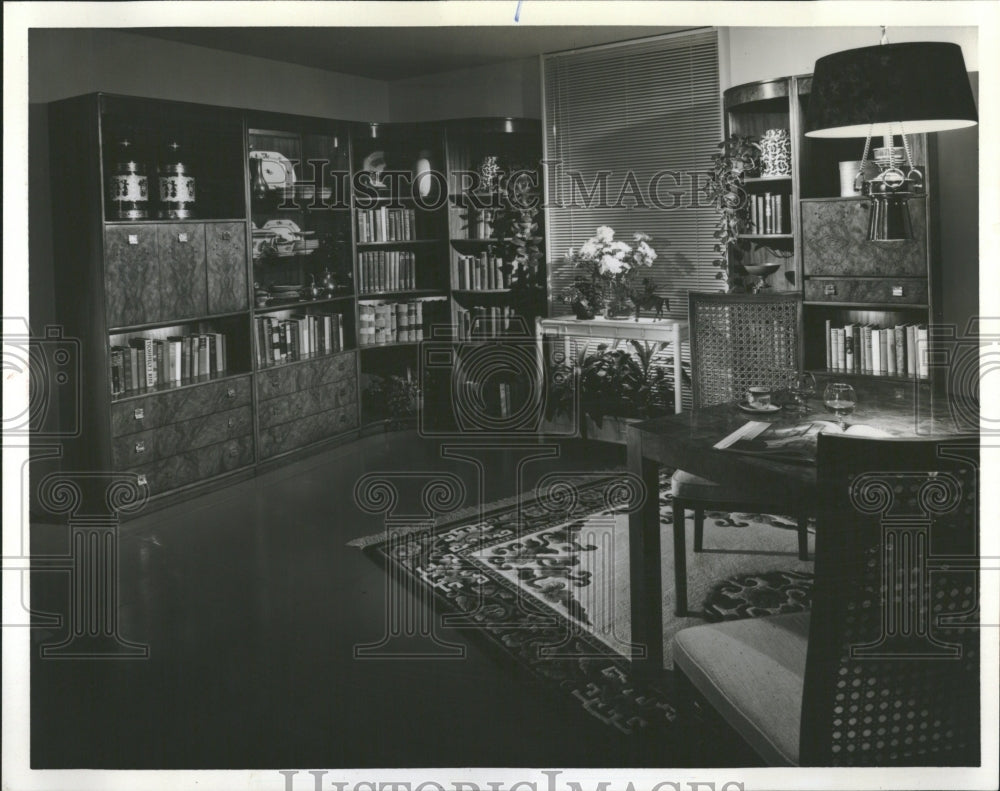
(758, 409)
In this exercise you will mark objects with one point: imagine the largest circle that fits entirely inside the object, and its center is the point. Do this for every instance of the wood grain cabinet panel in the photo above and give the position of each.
(147, 446)
(887, 291)
(287, 379)
(307, 402)
(183, 281)
(131, 275)
(225, 253)
(835, 241)
(298, 433)
(139, 414)
(196, 465)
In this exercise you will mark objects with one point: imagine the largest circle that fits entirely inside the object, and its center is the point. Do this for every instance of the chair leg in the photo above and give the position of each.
(803, 537)
(680, 562)
(699, 528)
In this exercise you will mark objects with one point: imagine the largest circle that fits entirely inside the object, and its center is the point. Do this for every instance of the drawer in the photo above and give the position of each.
(196, 465)
(139, 414)
(301, 432)
(308, 402)
(147, 446)
(835, 241)
(286, 379)
(904, 291)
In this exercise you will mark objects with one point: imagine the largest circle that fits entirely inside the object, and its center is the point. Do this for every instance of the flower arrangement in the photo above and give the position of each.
(609, 274)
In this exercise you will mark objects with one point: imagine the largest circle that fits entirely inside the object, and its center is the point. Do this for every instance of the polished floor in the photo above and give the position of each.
(252, 606)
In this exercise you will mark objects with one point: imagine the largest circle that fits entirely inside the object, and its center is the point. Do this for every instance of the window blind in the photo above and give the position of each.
(630, 130)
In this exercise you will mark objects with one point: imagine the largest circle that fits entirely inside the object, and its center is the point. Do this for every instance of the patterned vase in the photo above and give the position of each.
(775, 153)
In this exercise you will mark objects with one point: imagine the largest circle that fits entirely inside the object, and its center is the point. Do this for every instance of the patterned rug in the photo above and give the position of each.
(544, 580)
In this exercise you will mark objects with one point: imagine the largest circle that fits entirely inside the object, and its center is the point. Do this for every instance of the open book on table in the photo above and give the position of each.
(788, 443)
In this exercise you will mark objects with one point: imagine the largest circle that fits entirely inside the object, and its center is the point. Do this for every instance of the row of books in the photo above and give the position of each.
(148, 362)
(480, 224)
(480, 322)
(769, 213)
(880, 351)
(386, 225)
(386, 270)
(281, 340)
(479, 272)
(390, 322)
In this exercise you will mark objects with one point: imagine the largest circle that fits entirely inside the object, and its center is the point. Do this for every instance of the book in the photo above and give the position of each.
(796, 443)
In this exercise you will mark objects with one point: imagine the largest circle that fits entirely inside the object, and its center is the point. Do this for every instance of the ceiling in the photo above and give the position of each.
(393, 53)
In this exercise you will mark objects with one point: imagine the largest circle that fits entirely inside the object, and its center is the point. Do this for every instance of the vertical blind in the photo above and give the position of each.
(630, 130)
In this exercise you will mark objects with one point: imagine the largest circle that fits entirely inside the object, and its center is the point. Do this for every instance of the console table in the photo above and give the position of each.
(645, 329)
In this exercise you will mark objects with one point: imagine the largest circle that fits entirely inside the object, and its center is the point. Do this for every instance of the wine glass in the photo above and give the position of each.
(803, 388)
(841, 398)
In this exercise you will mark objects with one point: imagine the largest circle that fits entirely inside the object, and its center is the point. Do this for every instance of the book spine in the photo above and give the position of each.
(890, 351)
(849, 349)
(829, 345)
(923, 367)
(899, 331)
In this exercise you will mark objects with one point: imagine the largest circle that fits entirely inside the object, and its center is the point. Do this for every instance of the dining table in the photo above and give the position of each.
(687, 441)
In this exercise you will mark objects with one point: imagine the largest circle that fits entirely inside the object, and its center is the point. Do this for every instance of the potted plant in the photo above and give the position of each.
(736, 158)
(393, 398)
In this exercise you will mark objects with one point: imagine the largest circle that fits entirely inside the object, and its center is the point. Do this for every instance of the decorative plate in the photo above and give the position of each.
(275, 168)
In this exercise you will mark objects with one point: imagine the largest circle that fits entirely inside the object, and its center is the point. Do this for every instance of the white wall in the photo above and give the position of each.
(511, 88)
(761, 53)
(65, 62)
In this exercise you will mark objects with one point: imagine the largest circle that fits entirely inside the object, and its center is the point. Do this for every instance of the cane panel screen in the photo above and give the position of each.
(892, 675)
(742, 340)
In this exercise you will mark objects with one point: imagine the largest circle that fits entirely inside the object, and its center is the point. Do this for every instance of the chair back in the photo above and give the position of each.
(892, 670)
(742, 340)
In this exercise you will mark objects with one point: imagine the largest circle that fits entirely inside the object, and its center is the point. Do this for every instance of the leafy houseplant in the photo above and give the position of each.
(609, 274)
(515, 225)
(394, 397)
(736, 158)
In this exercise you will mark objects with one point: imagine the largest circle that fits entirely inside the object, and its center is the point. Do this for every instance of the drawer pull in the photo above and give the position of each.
(897, 291)
(141, 480)
(343, 392)
(274, 410)
(227, 235)
(341, 365)
(233, 452)
(231, 422)
(275, 380)
(231, 392)
(139, 413)
(343, 418)
(133, 238)
(140, 446)
(182, 238)
(829, 290)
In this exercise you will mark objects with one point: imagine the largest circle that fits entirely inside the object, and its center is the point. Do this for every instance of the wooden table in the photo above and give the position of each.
(645, 329)
(686, 441)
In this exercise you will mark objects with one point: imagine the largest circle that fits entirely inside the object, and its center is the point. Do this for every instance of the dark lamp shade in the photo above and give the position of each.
(922, 85)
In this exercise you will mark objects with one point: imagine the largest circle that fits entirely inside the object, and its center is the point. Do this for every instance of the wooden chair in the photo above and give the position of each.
(884, 671)
(737, 341)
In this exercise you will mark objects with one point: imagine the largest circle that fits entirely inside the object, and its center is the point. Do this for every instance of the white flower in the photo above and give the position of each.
(605, 233)
(619, 249)
(589, 249)
(612, 266)
(645, 254)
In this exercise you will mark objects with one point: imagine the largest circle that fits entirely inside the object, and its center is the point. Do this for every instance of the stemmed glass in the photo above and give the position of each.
(802, 389)
(842, 399)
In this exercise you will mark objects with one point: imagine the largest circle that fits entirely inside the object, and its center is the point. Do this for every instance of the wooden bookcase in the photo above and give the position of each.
(276, 261)
(844, 278)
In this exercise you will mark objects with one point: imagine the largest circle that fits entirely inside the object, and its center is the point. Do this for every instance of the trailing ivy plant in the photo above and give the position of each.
(736, 158)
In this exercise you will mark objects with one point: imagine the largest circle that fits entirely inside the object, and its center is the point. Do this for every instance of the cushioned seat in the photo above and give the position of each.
(752, 672)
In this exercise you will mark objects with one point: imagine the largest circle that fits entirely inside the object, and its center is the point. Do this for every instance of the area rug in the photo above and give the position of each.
(544, 580)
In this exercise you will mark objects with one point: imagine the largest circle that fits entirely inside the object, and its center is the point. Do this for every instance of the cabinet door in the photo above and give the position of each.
(226, 254)
(835, 241)
(181, 251)
(131, 275)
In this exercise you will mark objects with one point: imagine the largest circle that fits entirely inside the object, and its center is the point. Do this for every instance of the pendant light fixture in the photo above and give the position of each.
(890, 89)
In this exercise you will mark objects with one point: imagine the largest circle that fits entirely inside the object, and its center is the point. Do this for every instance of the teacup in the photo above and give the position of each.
(759, 397)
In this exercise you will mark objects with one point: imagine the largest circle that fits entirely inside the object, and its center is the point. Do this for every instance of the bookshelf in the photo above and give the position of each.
(846, 281)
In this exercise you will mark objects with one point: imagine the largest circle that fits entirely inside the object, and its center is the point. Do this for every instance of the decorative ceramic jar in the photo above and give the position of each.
(775, 153)
(128, 187)
(176, 187)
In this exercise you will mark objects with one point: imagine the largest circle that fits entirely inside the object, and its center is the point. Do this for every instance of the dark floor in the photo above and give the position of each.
(252, 605)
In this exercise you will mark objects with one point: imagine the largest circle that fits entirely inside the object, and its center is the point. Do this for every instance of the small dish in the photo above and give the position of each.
(758, 410)
(275, 168)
